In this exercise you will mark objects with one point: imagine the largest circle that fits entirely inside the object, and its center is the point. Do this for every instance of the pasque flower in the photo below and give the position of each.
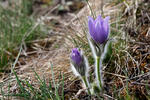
(99, 32)
(80, 66)
(99, 29)
(78, 61)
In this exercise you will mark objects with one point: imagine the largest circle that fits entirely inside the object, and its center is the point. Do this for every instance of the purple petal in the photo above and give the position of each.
(100, 33)
(99, 18)
(76, 56)
(106, 25)
(91, 25)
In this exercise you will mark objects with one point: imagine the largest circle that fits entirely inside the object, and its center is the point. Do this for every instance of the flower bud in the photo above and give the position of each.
(79, 62)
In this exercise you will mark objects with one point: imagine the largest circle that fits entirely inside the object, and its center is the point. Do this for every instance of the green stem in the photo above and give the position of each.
(98, 72)
(86, 84)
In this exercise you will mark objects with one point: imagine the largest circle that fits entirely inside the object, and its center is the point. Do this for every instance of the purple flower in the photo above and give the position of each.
(98, 29)
(76, 56)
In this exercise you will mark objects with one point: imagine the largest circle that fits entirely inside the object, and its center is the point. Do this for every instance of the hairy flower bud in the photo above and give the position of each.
(79, 62)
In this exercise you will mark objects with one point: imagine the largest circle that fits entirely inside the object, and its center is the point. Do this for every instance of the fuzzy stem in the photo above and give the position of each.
(86, 84)
(98, 72)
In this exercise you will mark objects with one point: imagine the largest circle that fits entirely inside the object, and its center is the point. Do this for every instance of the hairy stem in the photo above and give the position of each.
(98, 73)
(86, 84)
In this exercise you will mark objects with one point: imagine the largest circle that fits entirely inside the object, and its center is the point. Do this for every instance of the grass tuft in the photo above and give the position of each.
(15, 24)
(47, 90)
